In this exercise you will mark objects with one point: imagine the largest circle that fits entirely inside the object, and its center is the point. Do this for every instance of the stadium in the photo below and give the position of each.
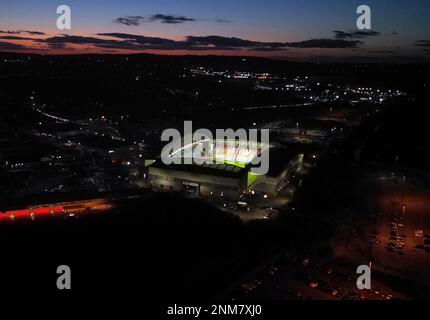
(222, 168)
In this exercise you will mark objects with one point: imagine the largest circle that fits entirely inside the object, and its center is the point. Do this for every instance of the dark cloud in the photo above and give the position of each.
(127, 41)
(231, 43)
(130, 20)
(11, 46)
(325, 43)
(72, 39)
(15, 38)
(59, 42)
(140, 39)
(33, 33)
(360, 34)
(422, 43)
(216, 41)
(190, 43)
(163, 18)
(138, 42)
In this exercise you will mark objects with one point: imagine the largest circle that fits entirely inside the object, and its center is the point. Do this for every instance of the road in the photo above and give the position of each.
(63, 209)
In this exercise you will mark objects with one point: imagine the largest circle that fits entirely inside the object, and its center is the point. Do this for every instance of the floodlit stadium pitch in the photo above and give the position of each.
(234, 152)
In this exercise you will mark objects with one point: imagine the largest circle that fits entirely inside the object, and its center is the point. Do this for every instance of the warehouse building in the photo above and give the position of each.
(206, 180)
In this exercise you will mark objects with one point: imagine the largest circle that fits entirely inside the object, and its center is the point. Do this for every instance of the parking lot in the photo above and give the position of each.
(399, 237)
(302, 278)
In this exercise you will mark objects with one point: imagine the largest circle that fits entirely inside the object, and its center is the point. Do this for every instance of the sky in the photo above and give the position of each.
(286, 29)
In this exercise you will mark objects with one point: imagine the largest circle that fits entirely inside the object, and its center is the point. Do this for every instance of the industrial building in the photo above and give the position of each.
(206, 180)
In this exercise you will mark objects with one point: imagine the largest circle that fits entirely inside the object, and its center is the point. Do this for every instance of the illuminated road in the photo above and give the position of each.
(51, 116)
(62, 209)
(281, 106)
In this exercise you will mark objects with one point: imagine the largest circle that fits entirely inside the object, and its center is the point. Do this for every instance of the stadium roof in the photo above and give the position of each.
(279, 159)
(220, 170)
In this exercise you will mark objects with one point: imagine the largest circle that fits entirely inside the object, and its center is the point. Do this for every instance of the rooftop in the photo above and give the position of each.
(221, 170)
